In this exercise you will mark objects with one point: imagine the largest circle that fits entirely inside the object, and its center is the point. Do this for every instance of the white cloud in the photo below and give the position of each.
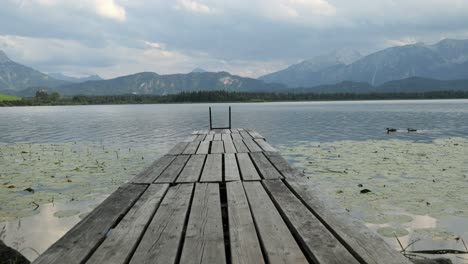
(194, 6)
(401, 42)
(110, 9)
(153, 45)
(103, 8)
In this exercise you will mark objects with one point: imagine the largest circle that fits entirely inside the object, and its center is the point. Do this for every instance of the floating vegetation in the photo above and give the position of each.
(35, 174)
(392, 232)
(387, 183)
(66, 213)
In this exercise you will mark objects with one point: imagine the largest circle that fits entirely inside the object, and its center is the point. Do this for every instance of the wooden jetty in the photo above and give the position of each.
(221, 196)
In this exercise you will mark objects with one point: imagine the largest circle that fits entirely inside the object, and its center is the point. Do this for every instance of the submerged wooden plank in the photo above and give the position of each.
(200, 137)
(236, 136)
(316, 239)
(255, 134)
(252, 146)
(123, 239)
(247, 169)
(204, 147)
(152, 172)
(229, 147)
(245, 247)
(217, 137)
(178, 149)
(240, 146)
(264, 145)
(282, 165)
(204, 240)
(245, 135)
(190, 138)
(217, 147)
(209, 137)
(267, 170)
(278, 242)
(231, 171)
(161, 241)
(191, 148)
(226, 137)
(367, 245)
(213, 169)
(192, 170)
(171, 172)
(78, 243)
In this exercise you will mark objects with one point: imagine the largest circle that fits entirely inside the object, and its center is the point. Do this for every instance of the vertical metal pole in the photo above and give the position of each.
(229, 117)
(210, 118)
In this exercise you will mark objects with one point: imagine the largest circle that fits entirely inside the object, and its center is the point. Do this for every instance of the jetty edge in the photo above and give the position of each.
(220, 196)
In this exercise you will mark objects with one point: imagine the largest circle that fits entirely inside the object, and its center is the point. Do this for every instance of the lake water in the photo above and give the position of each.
(115, 138)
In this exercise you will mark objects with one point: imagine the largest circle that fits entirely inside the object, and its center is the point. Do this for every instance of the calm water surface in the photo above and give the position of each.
(280, 123)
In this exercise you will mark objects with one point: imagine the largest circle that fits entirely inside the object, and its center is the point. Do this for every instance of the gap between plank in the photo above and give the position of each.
(225, 221)
(295, 234)
(121, 216)
(334, 233)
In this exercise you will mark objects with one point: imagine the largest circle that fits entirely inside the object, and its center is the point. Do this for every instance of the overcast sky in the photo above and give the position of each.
(245, 37)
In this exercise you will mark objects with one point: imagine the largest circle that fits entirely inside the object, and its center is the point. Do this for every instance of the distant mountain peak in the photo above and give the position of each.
(63, 77)
(3, 57)
(199, 70)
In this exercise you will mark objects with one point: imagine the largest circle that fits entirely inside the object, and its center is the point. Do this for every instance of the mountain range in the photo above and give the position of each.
(410, 68)
(445, 60)
(61, 76)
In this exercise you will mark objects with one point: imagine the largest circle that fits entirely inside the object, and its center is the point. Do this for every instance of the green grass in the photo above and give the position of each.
(4, 97)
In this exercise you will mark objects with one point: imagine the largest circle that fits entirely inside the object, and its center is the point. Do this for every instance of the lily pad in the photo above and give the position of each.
(392, 231)
(66, 213)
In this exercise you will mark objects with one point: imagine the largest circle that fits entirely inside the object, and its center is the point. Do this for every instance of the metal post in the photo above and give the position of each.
(229, 117)
(210, 118)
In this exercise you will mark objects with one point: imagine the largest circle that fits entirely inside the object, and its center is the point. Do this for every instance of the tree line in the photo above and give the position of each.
(43, 98)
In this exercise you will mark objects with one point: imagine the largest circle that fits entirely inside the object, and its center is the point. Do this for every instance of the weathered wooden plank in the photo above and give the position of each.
(247, 169)
(368, 246)
(195, 132)
(192, 170)
(178, 149)
(213, 169)
(78, 243)
(212, 132)
(226, 137)
(264, 145)
(240, 129)
(318, 242)
(278, 242)
(254, 134)
(204, 240)
(209, 137)
(282, 165)
(200, 137)
(203, 132)
(226, 131)
(152, 172)
(231, 170)
(240, 146)
(217, 137)
(245, 247)
(217, 147)
(123, 239)
(229, 147)
(171, 172)
(190, 138)
(245, 135)
(204, 147)
(161, 241)
(236, 136)
(252, 146)
(234, 130)
(191, 148)
(267, 170)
